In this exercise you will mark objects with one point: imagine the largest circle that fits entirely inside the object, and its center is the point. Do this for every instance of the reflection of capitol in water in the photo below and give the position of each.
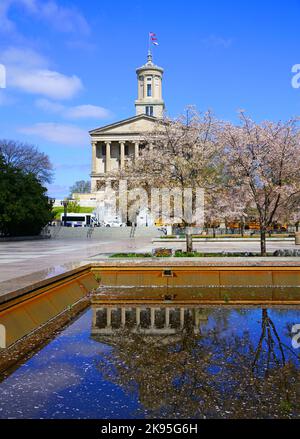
(149, 320)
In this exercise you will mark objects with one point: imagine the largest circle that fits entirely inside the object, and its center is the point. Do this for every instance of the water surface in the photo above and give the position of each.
(162, 361)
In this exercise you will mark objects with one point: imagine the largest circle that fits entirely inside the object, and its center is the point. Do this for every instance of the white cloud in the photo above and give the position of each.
(87, 111)
(58, 133)
(6, 25)
(63, 19)
(49, 106)
(29, 71)
(76, 112)
(25, 57)
(215, 41)
(45, 82)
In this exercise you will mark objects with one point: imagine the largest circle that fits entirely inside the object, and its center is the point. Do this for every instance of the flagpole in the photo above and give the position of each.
(149, 44)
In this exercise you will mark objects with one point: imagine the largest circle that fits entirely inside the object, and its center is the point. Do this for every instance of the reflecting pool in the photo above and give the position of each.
(162, 361)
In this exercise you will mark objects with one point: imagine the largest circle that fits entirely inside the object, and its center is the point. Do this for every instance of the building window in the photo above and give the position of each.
(103, 150)
(149, 90)
(127, 150)
(100, 185)
(149, 110)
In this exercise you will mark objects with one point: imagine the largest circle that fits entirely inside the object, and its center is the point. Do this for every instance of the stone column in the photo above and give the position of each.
(94, 185)
(94, 157)
(108, 317)
(2, 337)
(136, 150)
(167, 318)
(152, 317)
(138, 316)
(153, 87)
(122, 155)
(123, 316)
(107, 169)
(181, 317)
(95, 316)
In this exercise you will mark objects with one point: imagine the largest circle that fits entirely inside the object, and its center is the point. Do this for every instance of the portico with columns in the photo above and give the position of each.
(114, 144)
(150, 320)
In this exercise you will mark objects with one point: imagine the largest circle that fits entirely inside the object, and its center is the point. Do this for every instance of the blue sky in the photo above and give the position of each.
(71, 66)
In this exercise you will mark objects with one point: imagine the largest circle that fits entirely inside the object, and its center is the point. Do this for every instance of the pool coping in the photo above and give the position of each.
(43, 283)
(14, 292)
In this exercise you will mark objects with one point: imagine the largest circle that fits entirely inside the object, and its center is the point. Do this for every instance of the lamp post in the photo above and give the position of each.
(51, 202)
(65, 203)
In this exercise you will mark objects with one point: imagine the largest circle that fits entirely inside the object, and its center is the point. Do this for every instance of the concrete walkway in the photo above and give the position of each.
(26, 257)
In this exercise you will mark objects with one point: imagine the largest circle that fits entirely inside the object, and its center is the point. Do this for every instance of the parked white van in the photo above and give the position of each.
(79, 220)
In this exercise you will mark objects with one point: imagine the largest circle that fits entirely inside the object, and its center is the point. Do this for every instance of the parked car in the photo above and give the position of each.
(113, 223)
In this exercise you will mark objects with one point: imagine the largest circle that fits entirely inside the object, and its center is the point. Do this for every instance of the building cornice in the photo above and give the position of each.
(122, 122)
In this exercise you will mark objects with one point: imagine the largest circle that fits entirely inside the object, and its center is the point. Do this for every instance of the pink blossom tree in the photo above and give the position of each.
(182, 153)
(226, 204)
(264, 161)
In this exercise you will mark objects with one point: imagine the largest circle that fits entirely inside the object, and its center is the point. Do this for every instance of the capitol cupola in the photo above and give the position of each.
(150, 99)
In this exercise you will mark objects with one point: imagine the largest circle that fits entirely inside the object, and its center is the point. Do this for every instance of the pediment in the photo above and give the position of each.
(134, 125)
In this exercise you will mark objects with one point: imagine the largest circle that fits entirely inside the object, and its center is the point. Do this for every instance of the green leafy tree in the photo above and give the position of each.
(24, 206)
(74, 206)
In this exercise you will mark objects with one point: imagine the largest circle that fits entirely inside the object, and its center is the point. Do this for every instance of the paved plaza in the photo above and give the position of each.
(25, 257)
(25, 262)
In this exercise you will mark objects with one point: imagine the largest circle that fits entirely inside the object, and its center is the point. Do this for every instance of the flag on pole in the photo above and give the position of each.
(153, 38)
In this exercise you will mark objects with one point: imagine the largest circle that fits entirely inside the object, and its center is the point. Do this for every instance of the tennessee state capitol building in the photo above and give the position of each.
(117, 142)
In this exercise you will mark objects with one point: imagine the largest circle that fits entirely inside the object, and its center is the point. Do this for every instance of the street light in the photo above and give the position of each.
(65, 203)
